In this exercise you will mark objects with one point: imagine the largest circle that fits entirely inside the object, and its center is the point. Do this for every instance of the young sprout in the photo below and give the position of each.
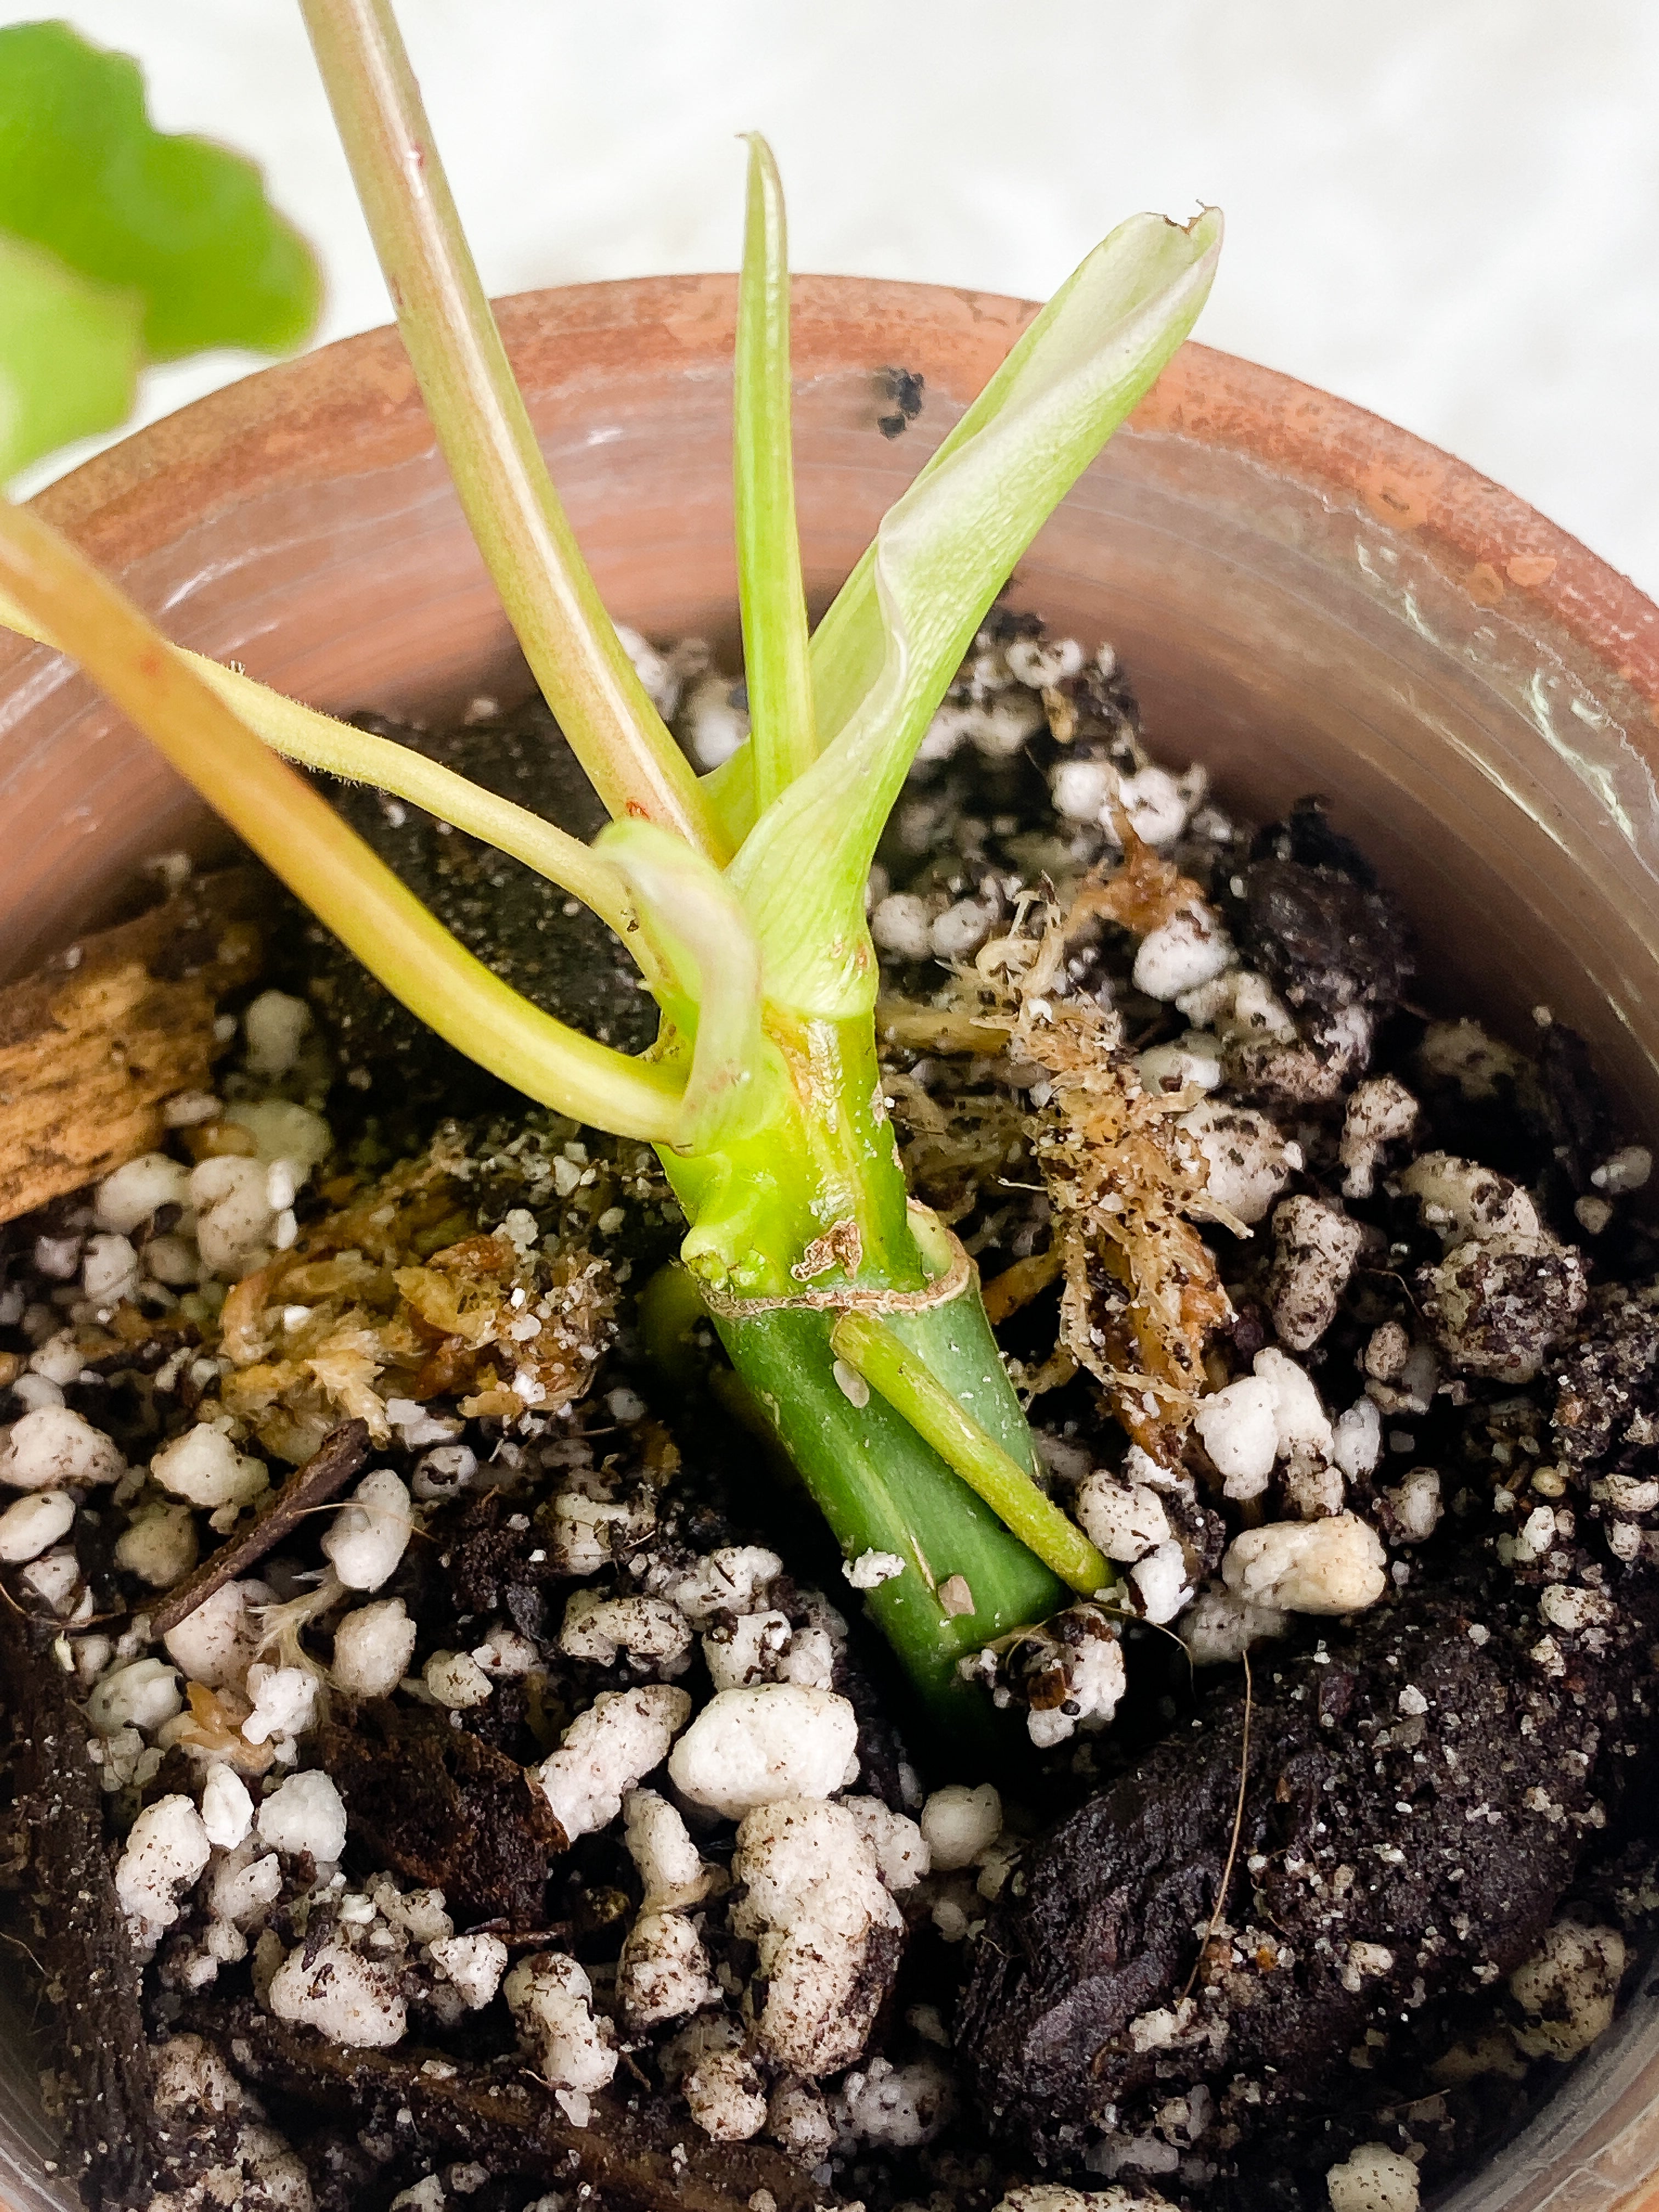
(854, 1321)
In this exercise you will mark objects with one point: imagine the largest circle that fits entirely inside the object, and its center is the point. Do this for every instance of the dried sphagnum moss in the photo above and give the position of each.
(1126, 1183)
(393, 1295)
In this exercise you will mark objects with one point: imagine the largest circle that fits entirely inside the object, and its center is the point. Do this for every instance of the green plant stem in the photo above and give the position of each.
(783, 739)
(824, 1161)
(304, 841)
(317, 740)
(484, 429)
(882, 1488)
(877, 1353)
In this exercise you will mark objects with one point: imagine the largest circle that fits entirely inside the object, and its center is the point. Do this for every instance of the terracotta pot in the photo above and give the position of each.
(1306, 598)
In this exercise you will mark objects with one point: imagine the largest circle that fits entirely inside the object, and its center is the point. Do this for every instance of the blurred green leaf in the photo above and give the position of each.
(70, 351)
(125, 245)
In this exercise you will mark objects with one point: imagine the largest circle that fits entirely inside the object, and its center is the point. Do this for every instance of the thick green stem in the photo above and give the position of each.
(883, 1488)
(485, 431)
(877, 1352)
(814, 1197)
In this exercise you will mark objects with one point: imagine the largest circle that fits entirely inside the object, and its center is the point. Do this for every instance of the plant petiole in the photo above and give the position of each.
(866, 1344)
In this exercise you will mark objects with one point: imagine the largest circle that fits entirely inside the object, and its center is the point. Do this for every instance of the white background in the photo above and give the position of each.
(1445, 209)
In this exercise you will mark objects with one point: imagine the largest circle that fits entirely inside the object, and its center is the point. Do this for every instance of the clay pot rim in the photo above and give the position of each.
(358, 397)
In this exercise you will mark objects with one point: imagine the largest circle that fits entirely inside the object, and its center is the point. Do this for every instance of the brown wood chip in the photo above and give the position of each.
(93, 1043)
(339, 1456)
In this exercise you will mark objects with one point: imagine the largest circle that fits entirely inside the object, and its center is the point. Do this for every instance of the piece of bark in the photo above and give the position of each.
(443, 1808)
(93, 1043)
(330, 1468)
(636, 2156)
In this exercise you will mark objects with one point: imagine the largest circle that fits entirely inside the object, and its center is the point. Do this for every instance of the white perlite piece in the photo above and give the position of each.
(798, 2119)
(1160, 1586)
(54, 1447)
(598, 1627)
(900, 1850)
(1192, 1061)
(729, 1580)
(243, 1885)
(1333, 1565)
(158, 1545)
(55, 1579)
(1572, 1608)
(828, 1932)
(188, 2074)
(1126, 1520)
(718, 2080)
(109, 1271)
(284, 1131)
(284, 1703)
(1315, 1246)
(775, 1740)
(305, 1814)
(126, 1199)
(606, 1750)
(166, 1851)
(1245, 1156)
(204, 1468)
(664, 1973)
(1373, 2179)
(958, 1823)
(659, 1844)
(1190, 949)
(871, 1569)
(895, 2107)
(1567, 1989)
(901, 925)
(1506, 1288)
(274, 1024)
(1381, 1111)
(1238, 1426)
(226, 1808)
(141, 1695)
(34, 1524)
(1415, 1506)
(760, 1647)
(217, 1642)
(1624, 1170)
(474, 1964)
(368, 1537)
(1220, 1626)
(551, 2001)
(1061, 2196)
(1357, 1438)
(373, 1648)
(234, 1217)
(1301, 1422)
(457, 1680)
(349, 1998)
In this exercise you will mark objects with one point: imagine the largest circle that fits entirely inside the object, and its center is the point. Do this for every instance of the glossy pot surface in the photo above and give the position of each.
(1305, 598)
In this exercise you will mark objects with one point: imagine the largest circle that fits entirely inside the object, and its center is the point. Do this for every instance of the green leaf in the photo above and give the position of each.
(182, 222)
(783, 740)
(70, 351)
(883, 656)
